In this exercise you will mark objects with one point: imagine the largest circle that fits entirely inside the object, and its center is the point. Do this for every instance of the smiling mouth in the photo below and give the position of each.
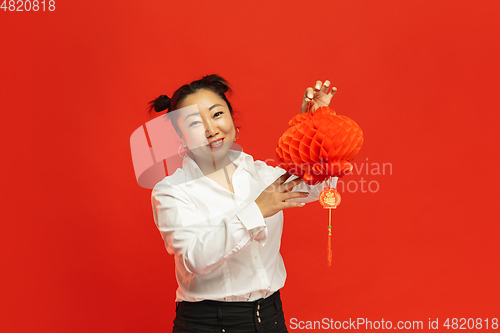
(216, 144)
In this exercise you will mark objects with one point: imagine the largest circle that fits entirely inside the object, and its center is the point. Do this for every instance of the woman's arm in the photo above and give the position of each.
(201, 243)
(198, 242)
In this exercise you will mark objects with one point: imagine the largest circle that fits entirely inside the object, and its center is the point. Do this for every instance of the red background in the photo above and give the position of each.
(80, 251)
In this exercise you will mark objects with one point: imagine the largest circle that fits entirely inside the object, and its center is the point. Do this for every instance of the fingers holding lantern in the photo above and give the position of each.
(320, 95)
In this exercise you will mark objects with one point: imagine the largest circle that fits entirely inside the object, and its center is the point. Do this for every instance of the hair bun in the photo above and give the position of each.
(218, 81)
(159, 104)
(162, 103)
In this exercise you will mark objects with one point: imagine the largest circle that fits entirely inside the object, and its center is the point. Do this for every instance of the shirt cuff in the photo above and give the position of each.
(251, 217)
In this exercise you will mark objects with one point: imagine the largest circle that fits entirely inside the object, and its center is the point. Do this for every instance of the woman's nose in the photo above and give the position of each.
(210, 128)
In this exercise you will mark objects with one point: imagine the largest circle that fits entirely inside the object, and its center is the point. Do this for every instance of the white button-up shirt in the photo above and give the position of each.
(224, 248)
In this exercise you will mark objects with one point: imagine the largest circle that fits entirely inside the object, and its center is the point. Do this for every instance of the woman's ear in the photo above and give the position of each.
(180, 137)
(184, 144)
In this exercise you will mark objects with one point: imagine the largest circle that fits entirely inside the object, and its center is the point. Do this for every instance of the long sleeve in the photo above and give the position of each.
(202, 243)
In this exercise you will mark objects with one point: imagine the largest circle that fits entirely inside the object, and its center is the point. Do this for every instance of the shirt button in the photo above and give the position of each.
(255, 258)
(258, 319)
(262, 275)
(223, 330)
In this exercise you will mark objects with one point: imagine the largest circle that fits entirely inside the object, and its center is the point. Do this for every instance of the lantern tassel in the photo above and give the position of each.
(329, 253)
(329, 199)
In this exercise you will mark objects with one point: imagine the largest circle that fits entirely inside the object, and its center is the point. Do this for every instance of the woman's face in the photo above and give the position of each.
(210, 133)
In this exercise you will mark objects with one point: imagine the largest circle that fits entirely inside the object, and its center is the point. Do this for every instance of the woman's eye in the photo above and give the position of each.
(193, 123)
(218, 114)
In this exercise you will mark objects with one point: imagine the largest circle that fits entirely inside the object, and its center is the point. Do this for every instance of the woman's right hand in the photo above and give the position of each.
(319, 96)
(272, 199)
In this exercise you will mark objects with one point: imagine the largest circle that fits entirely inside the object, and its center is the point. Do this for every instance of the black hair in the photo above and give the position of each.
(211, 82)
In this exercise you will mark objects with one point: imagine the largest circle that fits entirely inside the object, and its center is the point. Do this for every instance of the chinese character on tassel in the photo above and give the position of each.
(329, 199)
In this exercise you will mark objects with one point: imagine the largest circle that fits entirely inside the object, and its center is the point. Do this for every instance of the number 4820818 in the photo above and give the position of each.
(28, 5)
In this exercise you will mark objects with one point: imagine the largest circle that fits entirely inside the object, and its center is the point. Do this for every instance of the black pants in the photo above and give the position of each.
(264, 315)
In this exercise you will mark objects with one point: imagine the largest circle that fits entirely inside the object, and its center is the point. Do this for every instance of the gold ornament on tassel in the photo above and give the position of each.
(329, 199)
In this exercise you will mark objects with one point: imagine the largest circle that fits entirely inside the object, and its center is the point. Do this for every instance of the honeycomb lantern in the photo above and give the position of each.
(319, 145)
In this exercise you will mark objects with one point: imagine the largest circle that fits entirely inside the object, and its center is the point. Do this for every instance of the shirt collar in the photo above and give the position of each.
(193, 171)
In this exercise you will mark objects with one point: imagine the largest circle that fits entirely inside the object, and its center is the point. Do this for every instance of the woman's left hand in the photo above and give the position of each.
(319, 95)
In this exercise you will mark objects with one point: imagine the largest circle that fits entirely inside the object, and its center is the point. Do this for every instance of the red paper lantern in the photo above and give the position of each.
(319, 145)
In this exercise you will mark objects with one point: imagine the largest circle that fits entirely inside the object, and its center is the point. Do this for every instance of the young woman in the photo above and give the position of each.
(221, 215)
